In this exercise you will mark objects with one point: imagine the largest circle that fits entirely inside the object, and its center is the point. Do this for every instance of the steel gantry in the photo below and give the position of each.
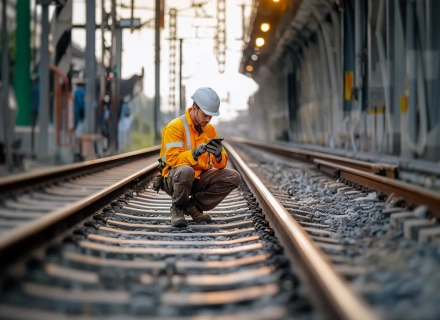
(109, 72)
(200, 13)
(173, 59)
(220, 37)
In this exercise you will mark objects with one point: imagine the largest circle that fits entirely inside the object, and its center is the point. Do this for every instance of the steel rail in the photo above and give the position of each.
(330, 293)
(410, 193)
(382, 169)
(26, 180)
(37, 232)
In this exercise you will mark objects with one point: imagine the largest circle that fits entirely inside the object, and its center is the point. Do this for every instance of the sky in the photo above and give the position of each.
(200, 68)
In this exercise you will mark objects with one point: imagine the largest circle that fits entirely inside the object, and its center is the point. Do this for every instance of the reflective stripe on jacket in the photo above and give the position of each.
(179, 137)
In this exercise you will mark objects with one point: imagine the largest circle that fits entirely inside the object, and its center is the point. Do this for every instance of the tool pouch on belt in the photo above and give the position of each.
(158, 180)
(157, 183)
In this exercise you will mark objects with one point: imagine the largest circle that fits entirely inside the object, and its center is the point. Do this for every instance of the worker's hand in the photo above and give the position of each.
(198, 151)
(215, 147)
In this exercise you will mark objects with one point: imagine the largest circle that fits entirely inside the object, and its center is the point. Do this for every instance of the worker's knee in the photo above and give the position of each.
(183, 175)
(236, 178)
(233, 177)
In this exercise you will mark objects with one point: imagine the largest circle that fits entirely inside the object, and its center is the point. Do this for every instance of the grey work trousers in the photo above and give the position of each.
(206, 193)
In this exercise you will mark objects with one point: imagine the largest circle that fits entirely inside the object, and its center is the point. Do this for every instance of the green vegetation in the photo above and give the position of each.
(283, 136)
(140, 140)
(141, 134)
(12, 50)
(12, 55)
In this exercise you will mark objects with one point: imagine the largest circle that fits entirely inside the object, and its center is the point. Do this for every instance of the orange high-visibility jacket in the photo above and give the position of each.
(179, 137)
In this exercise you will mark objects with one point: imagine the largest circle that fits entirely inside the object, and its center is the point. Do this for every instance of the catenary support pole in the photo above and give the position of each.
(23, 62)
(43, 114)
(34, 69)
(5, 88)
(157, 72)
(412, 68)
(90, 72)
(118, 61)
(102, 69)
(114, 93)
(243, 22)
(117, 75)
(181, 96)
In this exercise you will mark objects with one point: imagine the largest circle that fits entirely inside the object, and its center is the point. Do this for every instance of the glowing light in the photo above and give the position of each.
(265, 27)
(276, 0)
(249, 68)
(259, 42)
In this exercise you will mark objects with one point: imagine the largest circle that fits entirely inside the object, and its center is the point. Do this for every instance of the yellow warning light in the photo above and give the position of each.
(276, 0)
(259, 42)
(265, 27)
(249, 68)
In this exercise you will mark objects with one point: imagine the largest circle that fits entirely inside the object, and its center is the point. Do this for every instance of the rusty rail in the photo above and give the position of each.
(30, 179)
(381, 169)
(36, 232)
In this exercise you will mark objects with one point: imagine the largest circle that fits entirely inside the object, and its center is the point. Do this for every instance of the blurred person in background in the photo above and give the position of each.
(35, 100)
(124, 125)
(105, 121)
(80, 107)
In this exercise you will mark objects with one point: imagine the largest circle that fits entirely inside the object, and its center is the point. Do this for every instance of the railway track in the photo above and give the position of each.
(38, 206)
(381, 169)
(380, 233)
(95, 241)
(375, 176)
(109, 251)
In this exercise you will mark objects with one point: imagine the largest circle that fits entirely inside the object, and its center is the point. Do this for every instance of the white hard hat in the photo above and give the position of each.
(208, 100)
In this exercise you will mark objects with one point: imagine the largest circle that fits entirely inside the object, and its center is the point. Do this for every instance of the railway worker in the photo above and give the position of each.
(194, 172)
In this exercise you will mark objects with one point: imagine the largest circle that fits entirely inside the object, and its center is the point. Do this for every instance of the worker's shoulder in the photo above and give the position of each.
(175, 122)
(210, 128)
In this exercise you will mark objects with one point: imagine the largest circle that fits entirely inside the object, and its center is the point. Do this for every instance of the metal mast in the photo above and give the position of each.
(220, 37)
(173, 58)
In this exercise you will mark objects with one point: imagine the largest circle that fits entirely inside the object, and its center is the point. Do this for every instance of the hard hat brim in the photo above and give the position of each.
(212, 114)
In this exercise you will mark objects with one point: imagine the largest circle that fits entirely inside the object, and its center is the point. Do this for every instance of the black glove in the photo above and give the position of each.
(198, 151)
(215, 147)
(157, 183)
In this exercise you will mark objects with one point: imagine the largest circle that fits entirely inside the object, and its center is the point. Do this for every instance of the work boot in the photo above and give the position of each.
(177, 217)
(198, 215)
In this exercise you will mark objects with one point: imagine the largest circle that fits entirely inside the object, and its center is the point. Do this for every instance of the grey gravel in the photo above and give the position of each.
(405, 274)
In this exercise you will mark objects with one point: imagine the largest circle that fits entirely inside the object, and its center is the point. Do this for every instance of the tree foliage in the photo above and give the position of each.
(12, 50)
